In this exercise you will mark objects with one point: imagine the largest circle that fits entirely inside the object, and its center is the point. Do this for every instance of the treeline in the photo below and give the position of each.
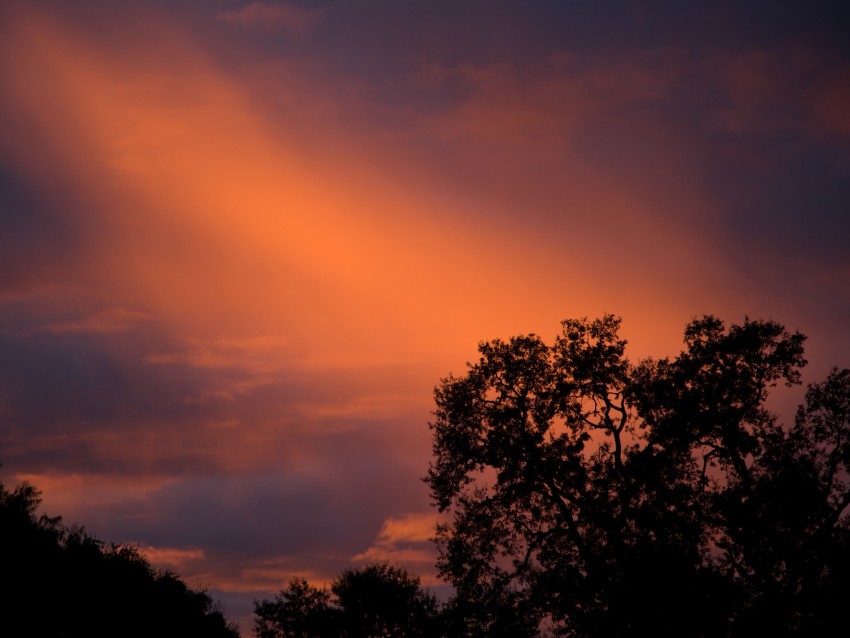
(61, 582)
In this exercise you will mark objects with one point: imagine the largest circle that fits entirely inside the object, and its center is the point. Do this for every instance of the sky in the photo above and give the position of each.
(241, 242)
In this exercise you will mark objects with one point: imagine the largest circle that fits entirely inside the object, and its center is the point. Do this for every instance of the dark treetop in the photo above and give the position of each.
(370, 602)
(60, 582)
(590, 496)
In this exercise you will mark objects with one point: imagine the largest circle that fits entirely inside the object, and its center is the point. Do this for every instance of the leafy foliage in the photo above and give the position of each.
(58, 581)
(299, 611)
(371, 602)
(594, 497)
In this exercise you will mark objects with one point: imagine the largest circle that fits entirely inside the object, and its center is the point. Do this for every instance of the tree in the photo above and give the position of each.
(60, 581)
(299, 611)
(371, 602)
(590, 496)
(380, 600)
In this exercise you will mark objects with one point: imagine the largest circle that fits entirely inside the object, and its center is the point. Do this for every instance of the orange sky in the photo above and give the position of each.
(243, 246)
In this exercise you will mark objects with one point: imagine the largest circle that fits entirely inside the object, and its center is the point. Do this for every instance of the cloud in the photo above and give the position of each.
(799, 89)
(833, 106)
(274, 16)
(406, 540)
(271, 574)
(224, 390)
(260, 354)
(110, 320)
(63, 492)
(410, 528)
(177, 559)
(543, 105)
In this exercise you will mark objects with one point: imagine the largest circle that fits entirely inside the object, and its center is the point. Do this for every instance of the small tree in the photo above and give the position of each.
(300, 611)
(370, 602)
(594, 497)
(380, 600)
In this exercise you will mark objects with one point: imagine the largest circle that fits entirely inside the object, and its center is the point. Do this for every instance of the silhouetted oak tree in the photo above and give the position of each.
(590, 496)
(370, 602)
(62, 582)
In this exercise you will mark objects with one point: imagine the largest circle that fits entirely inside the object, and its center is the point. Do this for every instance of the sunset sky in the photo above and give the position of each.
(240, 242)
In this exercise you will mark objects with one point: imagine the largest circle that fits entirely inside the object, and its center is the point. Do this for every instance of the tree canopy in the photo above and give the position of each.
(370, 602)
(591, 496)
(57, 581)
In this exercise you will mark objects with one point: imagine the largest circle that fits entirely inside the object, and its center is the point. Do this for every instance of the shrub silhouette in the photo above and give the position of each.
(62, 582)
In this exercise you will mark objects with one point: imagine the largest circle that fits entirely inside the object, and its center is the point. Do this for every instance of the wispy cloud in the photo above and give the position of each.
(62, 491)
(270, 574)
(264, 353)
(110, 320)
(799, 89)
(178, 559)
(224, 390)
(273, 16)
(405, 540)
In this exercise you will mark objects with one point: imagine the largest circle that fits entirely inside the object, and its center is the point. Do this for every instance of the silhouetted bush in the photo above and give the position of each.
(62, 582)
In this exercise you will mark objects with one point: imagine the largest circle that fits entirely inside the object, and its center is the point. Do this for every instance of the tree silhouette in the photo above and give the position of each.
(593, 497)
(62, 582)
(380, 600)
(370, 602)
(299, 611)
